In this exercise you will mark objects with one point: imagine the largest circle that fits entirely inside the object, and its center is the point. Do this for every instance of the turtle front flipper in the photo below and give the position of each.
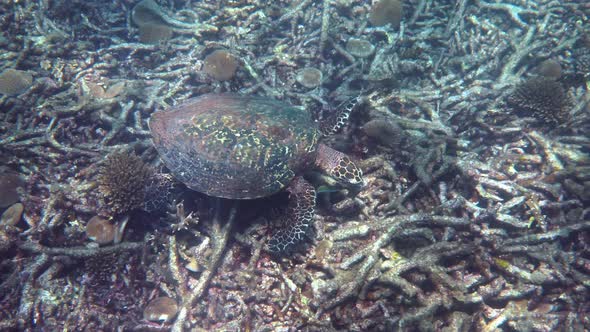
(339, 118)
(338, 166)
(299, 217)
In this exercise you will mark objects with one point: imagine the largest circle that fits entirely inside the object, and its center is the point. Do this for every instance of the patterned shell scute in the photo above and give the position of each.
(235, 146)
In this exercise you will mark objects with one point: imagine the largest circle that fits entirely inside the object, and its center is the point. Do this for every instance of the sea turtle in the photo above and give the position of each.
(244, 147)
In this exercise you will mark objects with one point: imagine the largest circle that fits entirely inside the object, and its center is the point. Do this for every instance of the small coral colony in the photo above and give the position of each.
(323, 165)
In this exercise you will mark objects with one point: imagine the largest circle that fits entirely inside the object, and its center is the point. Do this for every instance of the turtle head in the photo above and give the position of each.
(338, 166)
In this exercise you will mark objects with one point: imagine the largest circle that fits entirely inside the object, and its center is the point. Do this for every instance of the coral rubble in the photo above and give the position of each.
(474, 215)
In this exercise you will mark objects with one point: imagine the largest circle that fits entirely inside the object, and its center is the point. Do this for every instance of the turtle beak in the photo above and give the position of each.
(356, 187)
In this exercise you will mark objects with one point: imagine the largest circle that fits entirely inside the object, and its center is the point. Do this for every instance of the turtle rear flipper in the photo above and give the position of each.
(299, 217)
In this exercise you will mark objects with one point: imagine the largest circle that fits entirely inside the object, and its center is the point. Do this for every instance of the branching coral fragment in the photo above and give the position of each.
(513, 11)
(81, 252)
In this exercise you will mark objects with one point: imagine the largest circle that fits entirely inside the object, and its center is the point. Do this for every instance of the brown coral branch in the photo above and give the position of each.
(80, 252)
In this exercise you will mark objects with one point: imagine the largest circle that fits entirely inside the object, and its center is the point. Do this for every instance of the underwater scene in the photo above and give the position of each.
(295, 165)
